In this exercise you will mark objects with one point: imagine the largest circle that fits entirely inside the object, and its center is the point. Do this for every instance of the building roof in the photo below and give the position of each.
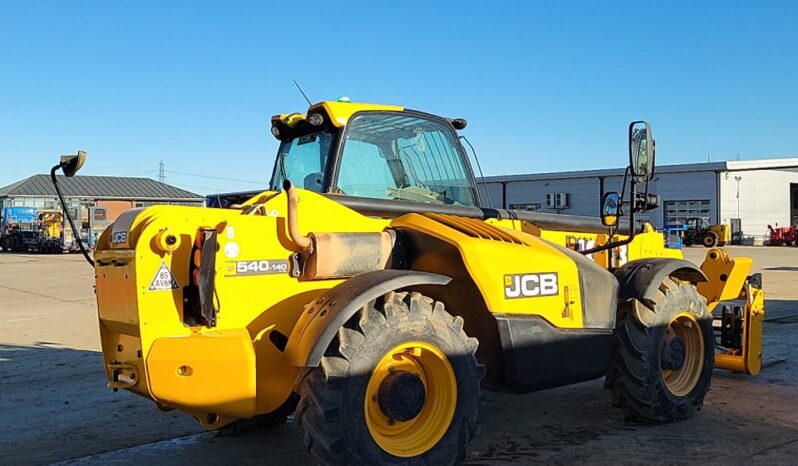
(724, 166)
(99, 187)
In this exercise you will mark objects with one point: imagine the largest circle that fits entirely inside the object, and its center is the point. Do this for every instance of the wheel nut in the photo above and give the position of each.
(673, 353)
(402, 396)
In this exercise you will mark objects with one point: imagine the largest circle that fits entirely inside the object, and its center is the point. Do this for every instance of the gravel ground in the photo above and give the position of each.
(55, 406)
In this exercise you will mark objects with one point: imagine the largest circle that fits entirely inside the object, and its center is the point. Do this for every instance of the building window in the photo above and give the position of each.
(531, 206)
(678, 212)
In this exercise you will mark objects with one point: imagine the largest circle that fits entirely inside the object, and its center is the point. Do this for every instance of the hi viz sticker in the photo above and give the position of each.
(164, 279)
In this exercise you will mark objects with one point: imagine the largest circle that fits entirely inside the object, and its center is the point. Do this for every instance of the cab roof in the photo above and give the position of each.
(339, 112)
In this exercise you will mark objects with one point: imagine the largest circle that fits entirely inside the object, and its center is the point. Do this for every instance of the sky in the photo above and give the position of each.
(545, 86)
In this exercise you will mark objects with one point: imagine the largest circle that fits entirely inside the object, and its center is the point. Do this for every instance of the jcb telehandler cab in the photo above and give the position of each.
(369, 293)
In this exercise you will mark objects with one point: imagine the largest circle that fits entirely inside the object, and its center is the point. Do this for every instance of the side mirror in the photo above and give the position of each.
(70, 164)
(610, 208)
(641, 149)
(459, 123)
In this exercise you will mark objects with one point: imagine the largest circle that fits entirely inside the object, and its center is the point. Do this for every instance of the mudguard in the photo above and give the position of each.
(641, 278)
(321, 320)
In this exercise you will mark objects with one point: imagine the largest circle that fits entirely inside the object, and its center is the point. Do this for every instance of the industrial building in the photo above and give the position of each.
(115, 194)
(758, 192)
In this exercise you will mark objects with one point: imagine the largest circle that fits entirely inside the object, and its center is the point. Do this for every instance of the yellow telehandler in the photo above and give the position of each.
(700, 231)
(369, 293)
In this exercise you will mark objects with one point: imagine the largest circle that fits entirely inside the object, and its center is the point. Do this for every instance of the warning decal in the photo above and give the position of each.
(164, 280)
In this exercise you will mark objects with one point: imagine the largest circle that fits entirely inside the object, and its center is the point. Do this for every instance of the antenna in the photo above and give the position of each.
(162, 172)
(299, 88)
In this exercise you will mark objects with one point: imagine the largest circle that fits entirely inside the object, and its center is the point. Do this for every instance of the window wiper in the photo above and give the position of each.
(281, 165)
(416, 193)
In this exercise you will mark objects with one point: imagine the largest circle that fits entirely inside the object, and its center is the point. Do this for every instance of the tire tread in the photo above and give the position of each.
(634, 376)
(318, 413)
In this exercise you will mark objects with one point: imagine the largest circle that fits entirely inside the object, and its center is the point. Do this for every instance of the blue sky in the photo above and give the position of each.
(546, 86)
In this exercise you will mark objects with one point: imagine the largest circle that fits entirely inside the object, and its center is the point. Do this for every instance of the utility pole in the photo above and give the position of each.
(162, 172)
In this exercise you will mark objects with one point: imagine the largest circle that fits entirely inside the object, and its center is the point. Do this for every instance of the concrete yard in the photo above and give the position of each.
(54, 406)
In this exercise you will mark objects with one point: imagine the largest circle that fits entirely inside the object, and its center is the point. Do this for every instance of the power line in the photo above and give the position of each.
(161, 170)
(205, 188)
(261, 183)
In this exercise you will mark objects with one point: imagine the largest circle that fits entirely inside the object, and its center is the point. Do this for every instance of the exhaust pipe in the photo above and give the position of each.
(300, 240)
(337, 255)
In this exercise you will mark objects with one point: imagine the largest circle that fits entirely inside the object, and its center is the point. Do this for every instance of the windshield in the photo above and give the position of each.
(404, 156)
(302, 161)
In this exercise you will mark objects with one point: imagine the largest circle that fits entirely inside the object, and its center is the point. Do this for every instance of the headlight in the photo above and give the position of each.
(315, 119)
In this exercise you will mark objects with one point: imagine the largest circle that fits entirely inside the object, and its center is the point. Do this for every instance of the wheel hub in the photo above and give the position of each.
(674, 353)
(410, 399)
(401, 395)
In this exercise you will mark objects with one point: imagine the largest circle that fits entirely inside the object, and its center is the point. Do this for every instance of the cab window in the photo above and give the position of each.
(406, 157)
(302, 161)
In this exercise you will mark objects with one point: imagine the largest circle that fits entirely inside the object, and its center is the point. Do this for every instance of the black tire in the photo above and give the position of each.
(636, 376)
(331, 409)
(710, 239)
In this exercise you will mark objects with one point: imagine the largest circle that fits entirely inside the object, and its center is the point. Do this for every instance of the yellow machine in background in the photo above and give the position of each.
(376, 300)
(723, 231)
(700, 231)
(50, 227)
(50, 222)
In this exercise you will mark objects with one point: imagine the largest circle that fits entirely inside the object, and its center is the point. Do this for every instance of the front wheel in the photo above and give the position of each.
(399, 385)
(661, 371)
(710, 239)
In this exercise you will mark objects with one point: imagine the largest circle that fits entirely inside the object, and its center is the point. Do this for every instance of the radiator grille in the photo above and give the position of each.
(474, 228)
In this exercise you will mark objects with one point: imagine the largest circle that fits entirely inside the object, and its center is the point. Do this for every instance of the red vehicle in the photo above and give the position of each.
(783, 235)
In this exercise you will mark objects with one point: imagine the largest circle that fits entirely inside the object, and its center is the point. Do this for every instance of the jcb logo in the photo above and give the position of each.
(119, 237)
(530, 285)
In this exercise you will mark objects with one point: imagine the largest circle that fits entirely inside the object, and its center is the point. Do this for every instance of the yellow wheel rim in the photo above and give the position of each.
(681, 381)
(418, 435)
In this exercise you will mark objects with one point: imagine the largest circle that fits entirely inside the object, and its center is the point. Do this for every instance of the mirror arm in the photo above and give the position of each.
(632, 230)
(610, 245)
(75, 231)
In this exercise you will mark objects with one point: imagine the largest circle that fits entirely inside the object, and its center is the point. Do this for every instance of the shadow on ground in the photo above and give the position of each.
(55, 407)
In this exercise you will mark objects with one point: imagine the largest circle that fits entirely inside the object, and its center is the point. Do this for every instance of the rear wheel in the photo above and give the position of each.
(710, 239)
(399, 385)
(661, 372)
